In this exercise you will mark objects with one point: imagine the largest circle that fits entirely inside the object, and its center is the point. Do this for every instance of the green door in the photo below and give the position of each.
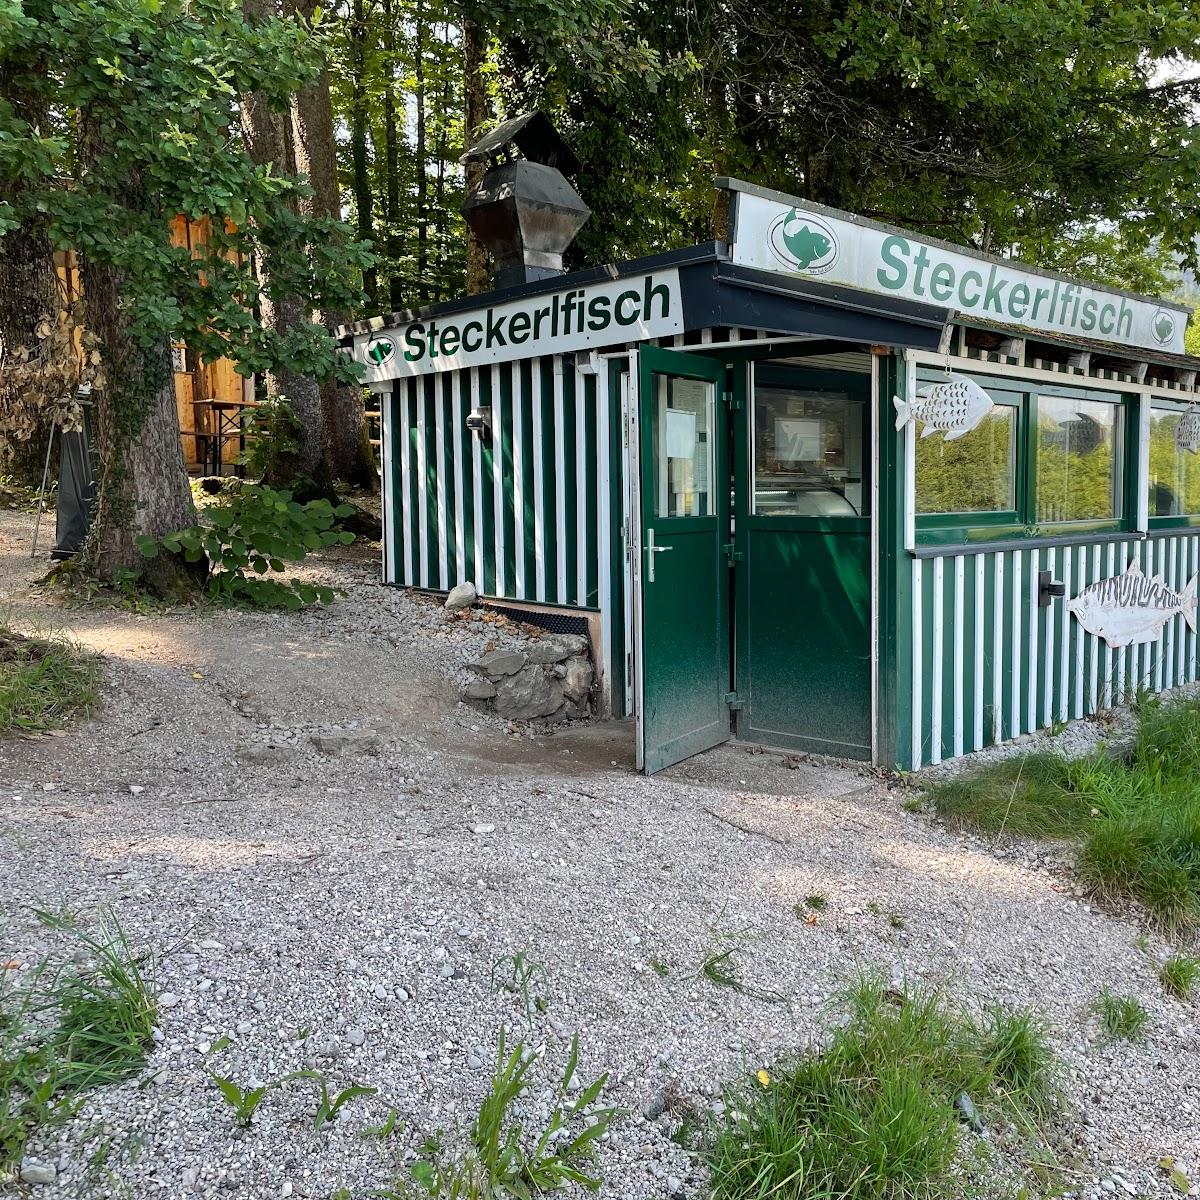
(681, 576)
(804, 579)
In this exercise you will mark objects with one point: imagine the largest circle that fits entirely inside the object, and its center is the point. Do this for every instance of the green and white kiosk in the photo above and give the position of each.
(828, 486)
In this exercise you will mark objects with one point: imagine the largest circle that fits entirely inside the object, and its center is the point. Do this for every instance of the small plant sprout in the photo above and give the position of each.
(1122, 1017)
(243, 1102)
(897, 921)
(328, 1103)
(1180, 975)
(518, 973)
(719, 965)
(817, 902)
(392, 1125)
(659, 967)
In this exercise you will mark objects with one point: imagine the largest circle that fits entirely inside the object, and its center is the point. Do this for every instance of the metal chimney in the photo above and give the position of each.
(523, 209)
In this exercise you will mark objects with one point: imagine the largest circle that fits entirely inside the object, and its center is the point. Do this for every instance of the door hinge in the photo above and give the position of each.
(734, 701)
(734, 556)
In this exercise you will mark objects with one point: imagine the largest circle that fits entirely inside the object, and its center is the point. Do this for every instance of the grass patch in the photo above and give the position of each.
(1122, 1017)
(1180, 975)
(503, 1157)
(43, 681)
(69, 1031)
(881, 1111)
(1136, 819)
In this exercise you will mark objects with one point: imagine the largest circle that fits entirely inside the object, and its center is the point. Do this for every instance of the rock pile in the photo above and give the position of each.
(551, 681)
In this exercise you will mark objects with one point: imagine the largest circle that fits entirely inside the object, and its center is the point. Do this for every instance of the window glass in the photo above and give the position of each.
(1174, 469)
(683, 412)
(808, 453)
(1079, 459)
(972, 474)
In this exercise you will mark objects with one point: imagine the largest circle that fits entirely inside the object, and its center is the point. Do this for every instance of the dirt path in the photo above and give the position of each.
(362, 899)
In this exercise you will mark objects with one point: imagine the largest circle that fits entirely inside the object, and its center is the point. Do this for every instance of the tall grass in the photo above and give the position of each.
(43, 681)
(1136, 819)
(879, 1113)
(63, 1033)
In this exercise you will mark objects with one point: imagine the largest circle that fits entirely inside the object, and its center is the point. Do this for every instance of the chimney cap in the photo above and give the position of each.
(533, 136)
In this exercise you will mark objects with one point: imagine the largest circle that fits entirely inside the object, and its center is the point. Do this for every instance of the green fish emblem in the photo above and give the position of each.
(1163, 327)
(806, 245)
(380, 351)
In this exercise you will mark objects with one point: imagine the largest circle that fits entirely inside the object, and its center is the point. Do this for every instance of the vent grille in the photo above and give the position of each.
(554, 622)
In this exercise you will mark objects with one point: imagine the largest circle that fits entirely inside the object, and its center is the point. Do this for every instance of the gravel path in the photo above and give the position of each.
(344, 911)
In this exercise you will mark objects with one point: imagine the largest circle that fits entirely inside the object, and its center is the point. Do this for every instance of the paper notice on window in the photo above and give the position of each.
(681, 433)
(798, 440)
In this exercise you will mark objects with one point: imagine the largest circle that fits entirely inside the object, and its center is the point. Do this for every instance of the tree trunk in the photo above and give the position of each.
(422, 177)
(343, 423)
(358, 141)
(269, 140)
(474, 117)
(142, 485)
(392, 160)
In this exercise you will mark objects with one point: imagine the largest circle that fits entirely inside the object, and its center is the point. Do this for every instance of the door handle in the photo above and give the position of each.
(652, 550)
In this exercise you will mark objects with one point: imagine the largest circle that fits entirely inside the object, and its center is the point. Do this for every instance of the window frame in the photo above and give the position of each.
(1181, 520)
(857, 388)
(948, 529)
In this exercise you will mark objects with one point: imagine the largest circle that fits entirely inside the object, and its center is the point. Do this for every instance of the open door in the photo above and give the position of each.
(681, 573)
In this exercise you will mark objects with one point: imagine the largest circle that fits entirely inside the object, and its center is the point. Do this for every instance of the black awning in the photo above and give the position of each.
(721, 294)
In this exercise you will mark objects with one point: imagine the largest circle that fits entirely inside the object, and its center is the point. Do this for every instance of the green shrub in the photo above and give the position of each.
(255, 532)
(1180, 974)
(874, 1114)
(1122, 1017)
(43, 681)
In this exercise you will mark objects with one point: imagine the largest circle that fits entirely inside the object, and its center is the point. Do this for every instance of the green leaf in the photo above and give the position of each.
(345, 538)
(147, 546)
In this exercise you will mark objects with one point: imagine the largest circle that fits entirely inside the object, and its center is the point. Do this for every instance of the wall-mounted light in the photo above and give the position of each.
(1049, 589)
(479, 422)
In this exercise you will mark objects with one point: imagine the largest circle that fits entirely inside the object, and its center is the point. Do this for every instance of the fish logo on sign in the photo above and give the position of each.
(1187, 432)
(1163, 327)
(953, 408)
(380, 350)
(1129, 608)
(800, 240)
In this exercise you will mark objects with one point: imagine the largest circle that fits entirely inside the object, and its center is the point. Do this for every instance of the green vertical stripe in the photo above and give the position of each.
(462, 408)
(486, 489)
(593, 579)
(395, 402)
(928, 600)
(571, 485)
(508, 477)
(550, 435)
(990, 666)
(414, 481)
(450, 533)
(528, 450)
(429, 435)
(971, 636)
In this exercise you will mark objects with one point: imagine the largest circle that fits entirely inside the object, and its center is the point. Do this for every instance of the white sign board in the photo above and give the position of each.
(789, 236)
(601, 314)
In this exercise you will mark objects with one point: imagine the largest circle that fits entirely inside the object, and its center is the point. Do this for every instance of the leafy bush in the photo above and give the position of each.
(273, 438)
(1122, 1017)
(256, 531)
(880, 1111)
(1180, 975)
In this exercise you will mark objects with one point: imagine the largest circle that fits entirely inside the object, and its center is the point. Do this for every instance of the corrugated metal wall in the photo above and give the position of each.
(992, 664)
(522, 515)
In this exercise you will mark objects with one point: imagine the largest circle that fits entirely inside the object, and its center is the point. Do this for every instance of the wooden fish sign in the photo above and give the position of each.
(953, 408)
(1187, 432)
(1129, 608)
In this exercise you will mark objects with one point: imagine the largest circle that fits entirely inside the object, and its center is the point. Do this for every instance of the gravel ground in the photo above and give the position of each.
(344, 911)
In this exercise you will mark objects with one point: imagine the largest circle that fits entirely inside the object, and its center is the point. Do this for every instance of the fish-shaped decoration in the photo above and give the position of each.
(1132, 607)
(1187, 432)
(953, 408)
(806, 245)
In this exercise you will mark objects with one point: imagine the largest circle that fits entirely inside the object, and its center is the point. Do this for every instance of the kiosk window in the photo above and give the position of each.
(808, 453)
(976, 473)
(683, 446)
(1080, 465)
(1174, 469)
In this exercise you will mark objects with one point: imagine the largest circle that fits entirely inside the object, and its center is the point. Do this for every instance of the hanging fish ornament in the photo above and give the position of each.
(1187, 432)
(1132, 607)
(953, 408)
